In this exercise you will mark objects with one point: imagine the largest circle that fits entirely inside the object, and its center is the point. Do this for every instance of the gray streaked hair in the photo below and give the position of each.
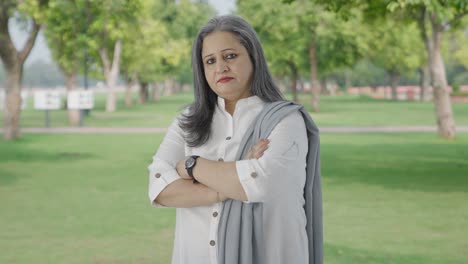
(196, 122)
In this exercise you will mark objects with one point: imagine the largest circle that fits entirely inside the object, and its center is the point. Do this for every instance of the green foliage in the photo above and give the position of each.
(458, 45)
(341, 42)
(35, 9)
(110, 21)
(396, 47)
(278, 28)
(159, 47)
(73, 26)
(183, 20)
(66, 33)
(365, 73)
(287, 31)
(444, 11)
(455, 52)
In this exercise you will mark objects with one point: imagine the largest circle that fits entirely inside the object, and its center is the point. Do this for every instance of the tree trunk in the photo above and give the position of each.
(424, 82)
(300, 83)
(12, 111)
(293, 81)
(347, 83)
(293, 86)
(177, 87)
(13, 61)
(156, 92)
(314, 83)
(73, 114)
(394, 80)
(128, 90)
(280, 83)
(443, 105)
(128, 94)
(111, 73)
(169, 86)
(144, 93)
(425, 71)
(323, 86)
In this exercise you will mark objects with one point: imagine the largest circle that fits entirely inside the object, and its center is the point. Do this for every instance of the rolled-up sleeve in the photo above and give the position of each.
(282, 167)
(162, 170)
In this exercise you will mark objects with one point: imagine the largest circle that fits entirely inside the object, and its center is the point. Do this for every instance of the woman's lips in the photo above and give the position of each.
(225, 79)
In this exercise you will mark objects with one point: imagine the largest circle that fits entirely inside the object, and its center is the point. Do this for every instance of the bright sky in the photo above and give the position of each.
(223, 6)
(42, 52)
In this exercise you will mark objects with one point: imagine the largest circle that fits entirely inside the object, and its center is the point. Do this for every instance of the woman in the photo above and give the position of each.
(241, 165)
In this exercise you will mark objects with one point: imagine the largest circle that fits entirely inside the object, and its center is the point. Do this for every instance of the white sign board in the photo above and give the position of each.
(83, 99)
(47, 100)
(24, 100)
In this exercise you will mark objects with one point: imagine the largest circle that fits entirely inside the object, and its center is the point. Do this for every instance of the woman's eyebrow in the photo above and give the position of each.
(221, 51)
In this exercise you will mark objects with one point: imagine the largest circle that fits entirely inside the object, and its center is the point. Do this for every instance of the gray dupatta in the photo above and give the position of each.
(240, 231)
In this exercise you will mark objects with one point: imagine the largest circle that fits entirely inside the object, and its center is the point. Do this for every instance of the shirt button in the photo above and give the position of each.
(157, 175)
(228, 138)
(220, 159)
(253, 174)
(212, 242)
(215, 214)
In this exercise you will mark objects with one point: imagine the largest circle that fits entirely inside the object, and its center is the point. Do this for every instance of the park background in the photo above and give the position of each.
(395, 183)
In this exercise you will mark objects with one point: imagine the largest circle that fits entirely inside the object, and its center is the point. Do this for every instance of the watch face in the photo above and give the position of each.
(189, 162)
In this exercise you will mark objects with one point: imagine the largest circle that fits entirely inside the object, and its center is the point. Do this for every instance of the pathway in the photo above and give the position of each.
(151, 130)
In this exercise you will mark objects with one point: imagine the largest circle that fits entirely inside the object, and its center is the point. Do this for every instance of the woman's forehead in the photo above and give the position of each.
(220, 41)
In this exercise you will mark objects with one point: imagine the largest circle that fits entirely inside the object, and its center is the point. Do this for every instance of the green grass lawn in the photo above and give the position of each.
(342, 110)
(388, 198)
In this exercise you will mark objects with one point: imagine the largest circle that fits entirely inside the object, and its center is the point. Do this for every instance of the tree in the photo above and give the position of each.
(304, 37)
(64, 30)
(278, 29)
(32, 12)
(396, 48)
(109, 24)
(434, 18)
(145, 47)
(159, 50)
(183, 19)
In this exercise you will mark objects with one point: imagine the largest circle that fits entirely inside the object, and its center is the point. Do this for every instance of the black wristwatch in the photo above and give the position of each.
(190, 164)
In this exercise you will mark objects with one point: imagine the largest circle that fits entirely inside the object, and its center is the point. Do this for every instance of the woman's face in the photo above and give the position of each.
(228, 69)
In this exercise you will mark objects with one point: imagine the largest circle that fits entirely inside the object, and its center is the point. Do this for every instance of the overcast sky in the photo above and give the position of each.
(42, 52)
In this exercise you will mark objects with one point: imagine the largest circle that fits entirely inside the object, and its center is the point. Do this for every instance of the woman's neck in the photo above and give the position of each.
(230, 107)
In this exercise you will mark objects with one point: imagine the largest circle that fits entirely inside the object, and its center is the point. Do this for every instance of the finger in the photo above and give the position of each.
(262, 143)
(249, 154)
(261, 148)
(256, 151)
(259, 153)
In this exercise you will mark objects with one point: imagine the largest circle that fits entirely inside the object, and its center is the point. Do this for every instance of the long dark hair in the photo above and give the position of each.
(196, 122)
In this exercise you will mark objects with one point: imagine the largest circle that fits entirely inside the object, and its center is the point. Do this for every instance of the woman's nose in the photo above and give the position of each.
(222, 67)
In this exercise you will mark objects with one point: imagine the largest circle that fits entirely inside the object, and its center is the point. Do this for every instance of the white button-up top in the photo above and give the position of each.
(276, 179)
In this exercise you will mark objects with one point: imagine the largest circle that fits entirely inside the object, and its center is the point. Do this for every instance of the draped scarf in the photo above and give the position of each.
(240, 231)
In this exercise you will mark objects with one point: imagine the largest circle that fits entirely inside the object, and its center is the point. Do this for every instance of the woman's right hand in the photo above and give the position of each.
(257, 150)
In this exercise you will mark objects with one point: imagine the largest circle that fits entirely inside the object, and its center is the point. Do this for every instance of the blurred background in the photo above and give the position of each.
(88, 87)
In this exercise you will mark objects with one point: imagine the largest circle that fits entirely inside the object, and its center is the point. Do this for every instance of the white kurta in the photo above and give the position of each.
(277, 180)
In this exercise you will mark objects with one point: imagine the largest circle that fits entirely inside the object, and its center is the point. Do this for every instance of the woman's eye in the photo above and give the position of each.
(231, 56)
(210, 61)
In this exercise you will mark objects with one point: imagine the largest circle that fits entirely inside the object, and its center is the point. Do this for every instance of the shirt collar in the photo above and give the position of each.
(243, 104)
